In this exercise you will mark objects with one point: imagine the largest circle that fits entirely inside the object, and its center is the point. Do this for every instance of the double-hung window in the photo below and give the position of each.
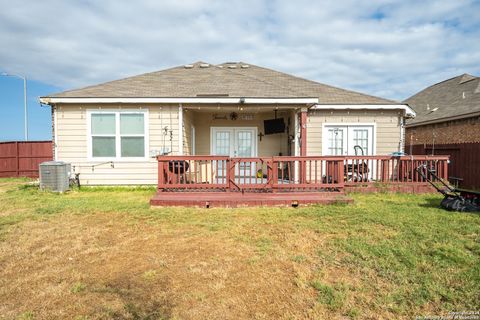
(117, 134)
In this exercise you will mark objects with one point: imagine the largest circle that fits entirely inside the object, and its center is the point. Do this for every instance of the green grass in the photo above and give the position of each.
(419, 257)
(78, 287)
(331, 296)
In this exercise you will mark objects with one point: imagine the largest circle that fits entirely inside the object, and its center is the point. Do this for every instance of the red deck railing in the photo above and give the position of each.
(276, 174)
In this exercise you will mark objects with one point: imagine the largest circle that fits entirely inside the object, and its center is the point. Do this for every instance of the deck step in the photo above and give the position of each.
(232, 200)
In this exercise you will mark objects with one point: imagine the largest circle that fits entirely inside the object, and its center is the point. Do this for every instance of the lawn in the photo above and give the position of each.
(103, 253)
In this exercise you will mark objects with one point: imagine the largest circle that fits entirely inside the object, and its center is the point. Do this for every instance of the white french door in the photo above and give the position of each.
(235, 142)
(351, 140)
(342, 140)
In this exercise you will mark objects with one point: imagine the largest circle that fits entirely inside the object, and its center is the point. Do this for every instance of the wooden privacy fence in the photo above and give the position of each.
(276, 174)
(464, 166)
(21, 158)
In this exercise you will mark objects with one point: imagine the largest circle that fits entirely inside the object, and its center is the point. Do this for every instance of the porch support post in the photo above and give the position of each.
(303, 144)
(180, 129)
(303, 133)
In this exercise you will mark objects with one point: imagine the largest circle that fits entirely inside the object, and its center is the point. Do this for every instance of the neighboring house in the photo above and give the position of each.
(448, 122)
(205, 109)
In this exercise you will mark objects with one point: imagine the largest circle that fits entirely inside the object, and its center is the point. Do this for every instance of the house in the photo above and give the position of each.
(448, 122)
(231, 126)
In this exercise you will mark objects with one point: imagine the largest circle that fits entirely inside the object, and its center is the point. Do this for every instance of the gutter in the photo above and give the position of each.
(206, 100)
(409, 113)
(439, 120)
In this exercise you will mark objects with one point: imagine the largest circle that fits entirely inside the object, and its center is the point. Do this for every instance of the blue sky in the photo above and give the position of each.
(387, 48)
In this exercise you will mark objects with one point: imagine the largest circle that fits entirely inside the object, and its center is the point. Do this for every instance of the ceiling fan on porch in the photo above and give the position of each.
(233, 116)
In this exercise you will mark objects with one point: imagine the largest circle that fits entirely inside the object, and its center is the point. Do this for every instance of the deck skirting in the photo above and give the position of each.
(238, 199)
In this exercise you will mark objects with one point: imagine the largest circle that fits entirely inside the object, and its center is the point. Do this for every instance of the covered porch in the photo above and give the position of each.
(241, 130)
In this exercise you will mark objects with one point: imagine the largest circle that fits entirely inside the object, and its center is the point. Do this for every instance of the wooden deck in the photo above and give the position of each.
(213, 181)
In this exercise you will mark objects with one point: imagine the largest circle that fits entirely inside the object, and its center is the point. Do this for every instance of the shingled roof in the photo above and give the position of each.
(452, 98)
(231, 79)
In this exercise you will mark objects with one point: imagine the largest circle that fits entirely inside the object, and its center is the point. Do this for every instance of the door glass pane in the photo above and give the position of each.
(222, 143)
(360, 138)
(103, 146)
(131, 123)
(244, 147)
(335, 141)
(222, 148)
(103, 123)
(244, 141)
(133, 147)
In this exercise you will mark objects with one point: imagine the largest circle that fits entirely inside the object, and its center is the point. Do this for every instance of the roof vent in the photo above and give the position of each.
(204, 65)
(232, 66)
(245, 66)
(188, 66)
(212, 94)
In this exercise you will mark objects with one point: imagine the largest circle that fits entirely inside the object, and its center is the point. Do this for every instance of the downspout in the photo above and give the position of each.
(303, 144)
(53, 111)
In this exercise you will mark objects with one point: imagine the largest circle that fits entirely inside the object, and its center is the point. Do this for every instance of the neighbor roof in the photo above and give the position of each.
(453, 98)
(231, 79)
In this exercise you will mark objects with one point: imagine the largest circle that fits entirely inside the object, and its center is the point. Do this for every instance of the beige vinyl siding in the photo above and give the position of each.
(388, 133)
(270, 145)
(72, 143)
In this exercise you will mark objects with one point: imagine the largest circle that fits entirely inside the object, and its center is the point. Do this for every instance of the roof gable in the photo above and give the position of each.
(454, 97)
(231, 79)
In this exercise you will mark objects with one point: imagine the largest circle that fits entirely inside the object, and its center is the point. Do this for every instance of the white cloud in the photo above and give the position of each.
(386, 48)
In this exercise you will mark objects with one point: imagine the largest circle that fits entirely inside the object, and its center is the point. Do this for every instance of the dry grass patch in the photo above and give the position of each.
(100, 267)
(103, 253)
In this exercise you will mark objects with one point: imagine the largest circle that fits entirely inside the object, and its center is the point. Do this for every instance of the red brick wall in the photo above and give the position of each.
(456, 131)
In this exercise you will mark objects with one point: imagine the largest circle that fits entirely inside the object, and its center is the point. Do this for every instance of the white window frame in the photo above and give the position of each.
(118, 135)
(328, 125)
